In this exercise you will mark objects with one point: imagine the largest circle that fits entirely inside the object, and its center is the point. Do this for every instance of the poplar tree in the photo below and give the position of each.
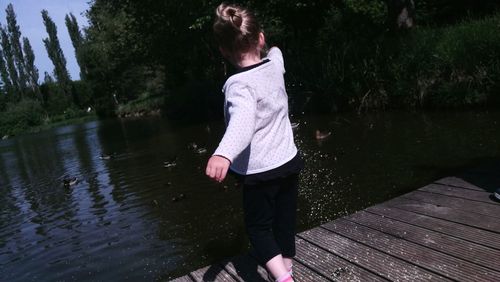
(9, 60)
(77, 40)
(56, 54)
(17, 50)
(47, 79)
(31, 69)
(4, 74)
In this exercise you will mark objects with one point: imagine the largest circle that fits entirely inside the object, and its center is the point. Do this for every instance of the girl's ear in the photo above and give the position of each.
(262, 40)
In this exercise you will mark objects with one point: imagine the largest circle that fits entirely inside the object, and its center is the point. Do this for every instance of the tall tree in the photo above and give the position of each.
(56, 54)
(17, 50)
(4, 74)
(9, 60)
(31, 69)
(47, 79)
(77, 41)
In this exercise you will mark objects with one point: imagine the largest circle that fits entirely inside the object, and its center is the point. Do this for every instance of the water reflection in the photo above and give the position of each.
(120, 219)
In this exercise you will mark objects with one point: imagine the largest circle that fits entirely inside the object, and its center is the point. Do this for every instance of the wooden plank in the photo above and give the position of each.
(211, 273)
(480, 196)
(458, 182)
(245, 268)
(468, 233)
(302, 273)
(456, 247)
(182, 279)
(330, 265)
(455, 215)
(456, 203)
(424, 257)
(373, 260)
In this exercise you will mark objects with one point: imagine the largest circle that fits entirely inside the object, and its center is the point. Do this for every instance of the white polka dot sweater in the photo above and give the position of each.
(258, 133)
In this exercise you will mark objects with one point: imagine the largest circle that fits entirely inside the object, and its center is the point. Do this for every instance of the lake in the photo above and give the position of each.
(129, 217)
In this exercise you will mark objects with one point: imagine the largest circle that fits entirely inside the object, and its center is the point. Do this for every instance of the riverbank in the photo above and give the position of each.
(48, 124)
(427, 67)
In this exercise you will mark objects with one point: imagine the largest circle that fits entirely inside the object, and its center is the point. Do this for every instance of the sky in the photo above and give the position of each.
(29, 18)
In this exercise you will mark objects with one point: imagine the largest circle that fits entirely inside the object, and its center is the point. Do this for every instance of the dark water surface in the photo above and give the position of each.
(122, 221)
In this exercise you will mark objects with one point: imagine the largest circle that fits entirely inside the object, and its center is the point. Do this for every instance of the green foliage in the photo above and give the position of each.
(374, 10)
(4, 75)
(20, 116)
(143, 105)
(77, 41)
(83, 90)
(8, 55)
(347, 53)
(23, 103)
(14, 36)
(54, 97)
(445, 12)
(31, 69)
(452, 66)
(55, 53)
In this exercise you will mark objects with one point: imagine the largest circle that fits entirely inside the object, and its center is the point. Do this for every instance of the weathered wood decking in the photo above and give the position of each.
(446, 231)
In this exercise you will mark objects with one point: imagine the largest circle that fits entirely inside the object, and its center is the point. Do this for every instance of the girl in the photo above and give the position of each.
(258, 143)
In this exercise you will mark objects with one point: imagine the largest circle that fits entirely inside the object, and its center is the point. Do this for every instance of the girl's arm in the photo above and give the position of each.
(276, 55)
(241, 110)
(217, 168)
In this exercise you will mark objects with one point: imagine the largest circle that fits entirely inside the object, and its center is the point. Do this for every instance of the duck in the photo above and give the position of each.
(68, 182)
(201, 151)
(322, 135)
(169, 164)
(105, 157)
(178, 198)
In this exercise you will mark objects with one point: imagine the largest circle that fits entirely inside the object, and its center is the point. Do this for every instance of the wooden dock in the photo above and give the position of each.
(446, 231)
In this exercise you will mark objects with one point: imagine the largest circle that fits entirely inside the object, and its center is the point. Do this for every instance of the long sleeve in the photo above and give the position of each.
(240, 113)
(275, 54)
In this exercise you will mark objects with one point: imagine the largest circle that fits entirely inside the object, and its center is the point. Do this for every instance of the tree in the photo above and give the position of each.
(77, 41)
(56, 54)
(31, 69)
(4, 74)
(47, 79)
(9, 60)
(17, 50)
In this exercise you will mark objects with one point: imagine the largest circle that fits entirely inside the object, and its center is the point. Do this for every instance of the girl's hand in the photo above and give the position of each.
(217, 168)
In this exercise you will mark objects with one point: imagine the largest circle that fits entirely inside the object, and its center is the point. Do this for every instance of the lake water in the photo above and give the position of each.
(126, 219)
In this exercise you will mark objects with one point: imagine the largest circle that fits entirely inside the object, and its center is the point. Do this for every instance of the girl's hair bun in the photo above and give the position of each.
(234, 16)
(235, 28)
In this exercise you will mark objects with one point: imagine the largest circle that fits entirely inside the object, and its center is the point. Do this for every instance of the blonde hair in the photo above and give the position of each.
(236, 29)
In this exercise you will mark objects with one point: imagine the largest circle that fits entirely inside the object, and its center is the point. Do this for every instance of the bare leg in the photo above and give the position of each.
(288, 263)
(277, 267)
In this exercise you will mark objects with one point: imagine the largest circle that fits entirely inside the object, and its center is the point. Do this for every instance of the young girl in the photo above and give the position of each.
(258, 143)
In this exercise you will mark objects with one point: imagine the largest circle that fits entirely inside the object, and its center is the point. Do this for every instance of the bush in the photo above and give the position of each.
(453, 66)
(145, 104)
(55, 100)
(21, 116)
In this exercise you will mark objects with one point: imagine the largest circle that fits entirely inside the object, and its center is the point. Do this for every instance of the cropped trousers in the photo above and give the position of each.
(270, 209)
